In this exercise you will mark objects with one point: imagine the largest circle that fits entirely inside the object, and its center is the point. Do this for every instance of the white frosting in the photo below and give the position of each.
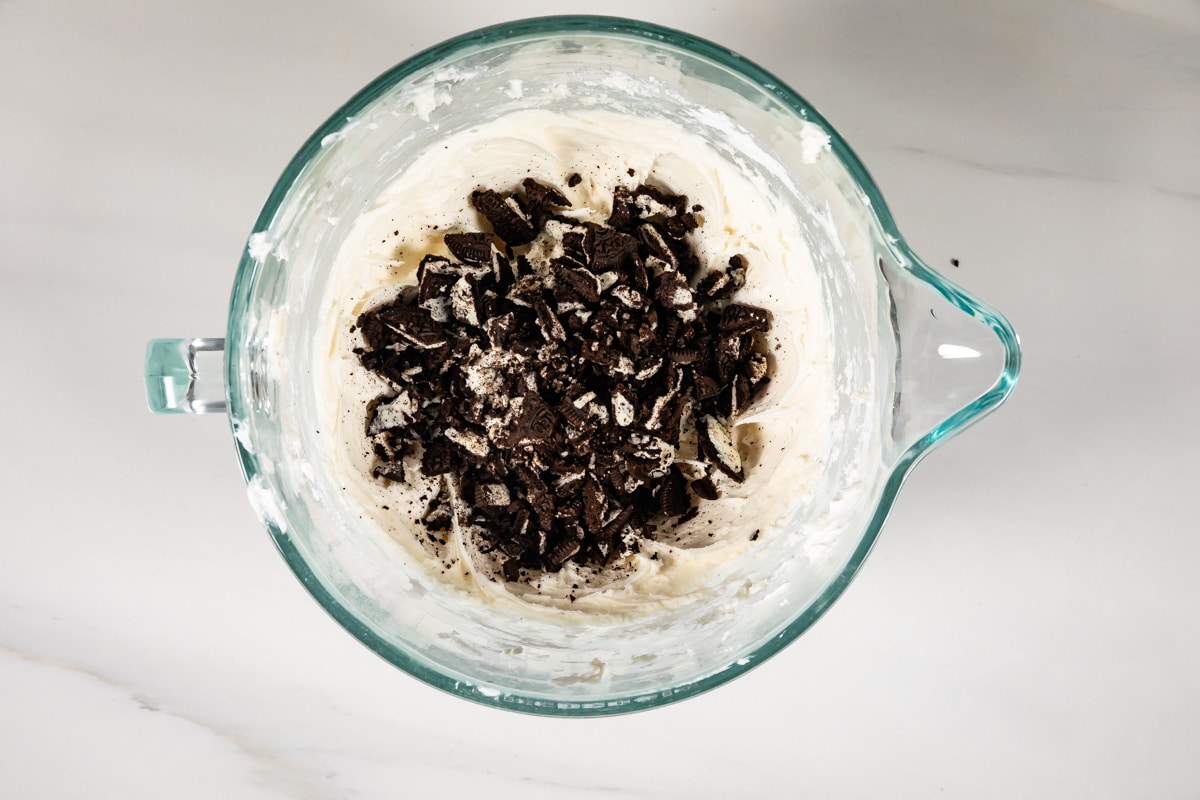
(782, 438)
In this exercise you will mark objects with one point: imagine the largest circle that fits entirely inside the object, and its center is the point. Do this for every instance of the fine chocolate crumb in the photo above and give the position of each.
(551, 393)
(954, 262)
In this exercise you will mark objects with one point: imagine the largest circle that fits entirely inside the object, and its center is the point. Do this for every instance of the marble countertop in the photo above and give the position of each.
(1028, 625)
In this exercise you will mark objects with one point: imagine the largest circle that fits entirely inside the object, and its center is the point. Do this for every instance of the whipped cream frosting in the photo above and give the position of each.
(784, 437)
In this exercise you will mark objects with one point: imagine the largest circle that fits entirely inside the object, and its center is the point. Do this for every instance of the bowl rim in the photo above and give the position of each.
(565, 25)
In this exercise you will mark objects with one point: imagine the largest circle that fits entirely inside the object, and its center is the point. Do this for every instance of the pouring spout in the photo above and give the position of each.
(957, 358)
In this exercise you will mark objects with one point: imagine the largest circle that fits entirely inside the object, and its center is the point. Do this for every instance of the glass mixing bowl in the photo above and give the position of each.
(916, 360)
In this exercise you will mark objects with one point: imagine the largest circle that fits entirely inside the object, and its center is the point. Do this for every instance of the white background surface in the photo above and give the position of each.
(1028, 626)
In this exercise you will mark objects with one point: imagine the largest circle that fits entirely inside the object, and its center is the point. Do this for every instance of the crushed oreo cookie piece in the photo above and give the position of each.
(716, 444)
(542, 200)
(705, 489)
(608, 248)
(508, 220)
(673, 500)
(739, 318)
(470, 248)
(673, 291)
(391, 471)
(550, 382)
(414, 325)
(579, 281)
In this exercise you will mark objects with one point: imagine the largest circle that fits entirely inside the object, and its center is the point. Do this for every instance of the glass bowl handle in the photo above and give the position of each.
(957, 358)
(185, 376)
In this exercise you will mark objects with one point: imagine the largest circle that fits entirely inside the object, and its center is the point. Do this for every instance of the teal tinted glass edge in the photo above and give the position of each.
(411, 663)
